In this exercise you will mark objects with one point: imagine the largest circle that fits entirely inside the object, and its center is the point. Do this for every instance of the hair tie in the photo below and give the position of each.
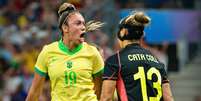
(69, 9)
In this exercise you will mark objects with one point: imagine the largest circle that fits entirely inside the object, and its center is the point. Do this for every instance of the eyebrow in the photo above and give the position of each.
(80, 21)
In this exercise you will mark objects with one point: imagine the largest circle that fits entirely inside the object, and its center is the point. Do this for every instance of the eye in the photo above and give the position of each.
(79, 23)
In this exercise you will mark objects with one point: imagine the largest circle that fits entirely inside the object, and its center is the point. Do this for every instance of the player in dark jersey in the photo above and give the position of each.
(134, 71)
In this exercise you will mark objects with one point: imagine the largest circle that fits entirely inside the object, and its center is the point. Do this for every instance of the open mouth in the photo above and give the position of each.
(82, 35)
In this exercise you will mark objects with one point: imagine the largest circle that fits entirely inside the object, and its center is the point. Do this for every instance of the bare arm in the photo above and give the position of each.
(97, 86)
(167, 94)
(108, 89)
(36, 88)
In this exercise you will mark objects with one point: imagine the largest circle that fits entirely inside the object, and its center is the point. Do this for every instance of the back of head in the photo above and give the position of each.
(132, 26)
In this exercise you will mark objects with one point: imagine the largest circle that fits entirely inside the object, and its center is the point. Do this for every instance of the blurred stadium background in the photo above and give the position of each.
(174, 36)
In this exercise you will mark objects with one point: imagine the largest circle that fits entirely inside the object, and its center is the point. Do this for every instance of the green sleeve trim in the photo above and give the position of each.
(98, 73)
(40, 72)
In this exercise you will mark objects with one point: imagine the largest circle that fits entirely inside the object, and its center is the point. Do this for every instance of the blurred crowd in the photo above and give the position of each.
(27, 25)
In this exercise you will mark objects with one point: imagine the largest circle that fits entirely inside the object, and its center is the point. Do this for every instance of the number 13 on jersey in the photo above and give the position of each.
(157, 85)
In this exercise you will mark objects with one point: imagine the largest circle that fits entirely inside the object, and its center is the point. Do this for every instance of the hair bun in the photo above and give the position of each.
(66, 7)
(140, 17)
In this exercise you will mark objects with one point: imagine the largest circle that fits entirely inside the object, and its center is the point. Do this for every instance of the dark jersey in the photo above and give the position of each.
(140, 75)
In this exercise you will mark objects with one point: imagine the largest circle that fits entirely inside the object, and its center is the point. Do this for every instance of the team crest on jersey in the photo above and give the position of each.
(69, 64)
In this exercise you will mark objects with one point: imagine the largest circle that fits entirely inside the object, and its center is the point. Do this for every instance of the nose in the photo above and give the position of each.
(83, 27)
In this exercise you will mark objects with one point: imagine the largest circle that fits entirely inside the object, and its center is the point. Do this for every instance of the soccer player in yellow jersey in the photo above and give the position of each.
(73, 66)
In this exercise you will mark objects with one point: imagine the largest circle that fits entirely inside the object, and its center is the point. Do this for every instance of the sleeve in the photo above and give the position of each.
(41, 63)
(164, 74)
(111, 69)
(98, 64)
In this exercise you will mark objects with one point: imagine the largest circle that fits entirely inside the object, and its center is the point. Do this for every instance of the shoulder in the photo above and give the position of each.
(113, 59)
(49, 47)
(90, 47)
(161, 65)
(52, 45)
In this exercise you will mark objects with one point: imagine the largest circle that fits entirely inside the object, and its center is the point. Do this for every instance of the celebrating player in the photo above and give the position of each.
(73, 66)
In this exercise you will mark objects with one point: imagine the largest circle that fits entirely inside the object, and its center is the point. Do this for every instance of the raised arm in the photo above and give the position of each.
(36, 88)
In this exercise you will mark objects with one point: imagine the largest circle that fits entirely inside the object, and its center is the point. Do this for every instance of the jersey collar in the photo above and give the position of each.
(133, 44)
(65, 49)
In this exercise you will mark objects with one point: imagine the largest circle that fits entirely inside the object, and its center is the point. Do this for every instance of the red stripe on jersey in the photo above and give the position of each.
(120, 83)
(121, 89)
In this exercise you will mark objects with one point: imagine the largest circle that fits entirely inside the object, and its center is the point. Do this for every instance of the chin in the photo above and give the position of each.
(79, 42)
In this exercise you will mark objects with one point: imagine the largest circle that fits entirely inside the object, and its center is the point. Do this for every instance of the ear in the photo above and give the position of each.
(124, 31)
(65, 28)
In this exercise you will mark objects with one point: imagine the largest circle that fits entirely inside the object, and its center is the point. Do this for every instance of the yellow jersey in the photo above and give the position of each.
(71, 72)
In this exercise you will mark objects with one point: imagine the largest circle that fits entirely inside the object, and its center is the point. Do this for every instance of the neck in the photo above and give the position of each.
(127, 42)
(69, 43)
